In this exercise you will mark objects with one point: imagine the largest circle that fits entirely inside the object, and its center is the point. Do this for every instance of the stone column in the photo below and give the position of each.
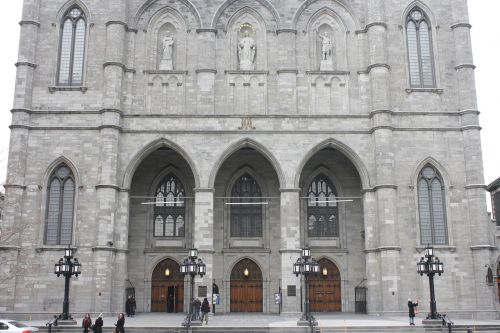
(290, 246)
(387, 249)
(206, 71)
(15, 187)
(109, 257)
(287, 73)
(203, 236)
(474, 187)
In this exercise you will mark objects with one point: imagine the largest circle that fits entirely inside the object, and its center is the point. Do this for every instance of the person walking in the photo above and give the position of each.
(98, 324)
(120, 324)
(170, 303)
(133, 307)
(205, 309)
(128, 306)
(196, 309)
(86, 323)
(411, 310)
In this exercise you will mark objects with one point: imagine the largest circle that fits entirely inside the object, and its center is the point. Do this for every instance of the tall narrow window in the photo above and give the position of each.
(420, 57)
(170, 208)
(431, 207)
(72, 48)
(60, 202)
(322, 209)
(246, 208)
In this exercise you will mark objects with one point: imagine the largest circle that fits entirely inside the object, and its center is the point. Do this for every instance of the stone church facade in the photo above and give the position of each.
(247, 129)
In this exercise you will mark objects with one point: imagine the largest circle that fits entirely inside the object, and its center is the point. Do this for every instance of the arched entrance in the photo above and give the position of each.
(246, 287)
(165, 281)
(325, 288)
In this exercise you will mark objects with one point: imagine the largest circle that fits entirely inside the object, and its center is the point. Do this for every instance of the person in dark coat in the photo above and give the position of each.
(120, 324)
(128, 306)
(86, 323)
(196, 309)
(170, 303)
(98, 324)
(205, 309)
(411, 310)
(133, 306)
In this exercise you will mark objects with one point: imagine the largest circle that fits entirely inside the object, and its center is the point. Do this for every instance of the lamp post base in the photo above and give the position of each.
(66, 322)
(432, 322)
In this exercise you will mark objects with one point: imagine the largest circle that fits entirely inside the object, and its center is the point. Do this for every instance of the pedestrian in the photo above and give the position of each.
(133, 307)
(205, 309)
(86, 323)
(128, 306)
(196, 309)
(411, 310)
(97, 327)
(170, 303)
(120, 324)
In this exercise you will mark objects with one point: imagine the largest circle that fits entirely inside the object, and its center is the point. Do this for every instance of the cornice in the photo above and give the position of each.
(29, 22)
(25, 63)
(286, 31)
(461, 25)
(205, 30)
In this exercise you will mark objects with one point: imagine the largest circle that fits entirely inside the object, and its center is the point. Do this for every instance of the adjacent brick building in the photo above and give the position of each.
(143, 128)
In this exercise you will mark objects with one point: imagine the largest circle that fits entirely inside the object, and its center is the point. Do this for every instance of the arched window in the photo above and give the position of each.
(246, 208)
(420, 55)
(170, 208)
(60, 207)
(322, 209)
(431, 207)
(72, 48)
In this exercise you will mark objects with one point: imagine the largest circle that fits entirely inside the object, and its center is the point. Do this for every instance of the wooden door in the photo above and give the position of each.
(325, 290)
(163, 284)
(246, 287)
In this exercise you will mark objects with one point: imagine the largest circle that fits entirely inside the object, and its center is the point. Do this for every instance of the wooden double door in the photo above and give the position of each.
(167, 288)
(325, 289)
(246, 287)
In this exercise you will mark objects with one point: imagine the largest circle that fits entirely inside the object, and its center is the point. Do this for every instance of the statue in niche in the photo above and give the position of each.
(166, 62)
(247, 49)
(326, 52)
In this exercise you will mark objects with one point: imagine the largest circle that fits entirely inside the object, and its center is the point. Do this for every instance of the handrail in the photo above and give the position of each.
(447, 322)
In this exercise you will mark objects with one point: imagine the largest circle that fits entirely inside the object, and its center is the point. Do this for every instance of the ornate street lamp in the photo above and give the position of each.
(191, 266)
(431, 265)
(66, 267)
(306, 266)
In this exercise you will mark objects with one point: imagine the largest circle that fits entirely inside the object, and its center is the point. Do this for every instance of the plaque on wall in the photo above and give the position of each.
(202, 291)
(291, 290)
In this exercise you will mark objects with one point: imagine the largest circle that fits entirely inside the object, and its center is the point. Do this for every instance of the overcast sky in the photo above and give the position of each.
(486, 48)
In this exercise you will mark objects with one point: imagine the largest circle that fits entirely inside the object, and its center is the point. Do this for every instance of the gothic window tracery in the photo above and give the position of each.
(420, 53)
(431, 207)
(170, 209)
(246, 210)
(60, 207)
(322, 209)
(72, 48)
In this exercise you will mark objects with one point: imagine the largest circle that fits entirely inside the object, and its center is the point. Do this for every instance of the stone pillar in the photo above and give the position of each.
(206, 71)
(387, 248)
(287, 73)
(290, 246)
(15, 187)
(373, 279)
(203, 236)
(109, 257)
(482, 244)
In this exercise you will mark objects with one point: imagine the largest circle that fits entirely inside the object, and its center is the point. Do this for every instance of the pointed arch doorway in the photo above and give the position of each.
(246, 287)
(325, 288)
(167, 280)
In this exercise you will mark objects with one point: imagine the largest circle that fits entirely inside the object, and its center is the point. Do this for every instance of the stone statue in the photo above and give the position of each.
(247, 49)
(166, 62)
(326, 52)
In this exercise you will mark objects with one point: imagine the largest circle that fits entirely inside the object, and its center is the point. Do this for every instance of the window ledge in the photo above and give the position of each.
(449, 248)
(53, 89)
(429, 90)
(53, 248)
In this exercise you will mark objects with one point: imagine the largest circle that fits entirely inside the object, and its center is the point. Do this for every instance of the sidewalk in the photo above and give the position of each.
(269, 320)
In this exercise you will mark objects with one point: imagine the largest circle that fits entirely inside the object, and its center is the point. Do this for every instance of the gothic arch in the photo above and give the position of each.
(246, 143)
(344, 149)
(271, 11)
(432, 161)
(418, 4)
(54, 164)
(68, 5)
(148, 149)
(340, 9)
(150, 8)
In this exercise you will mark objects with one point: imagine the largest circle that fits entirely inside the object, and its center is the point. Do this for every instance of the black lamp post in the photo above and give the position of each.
(66, 267)
(430, 266)
(192, 267)
(305, 266)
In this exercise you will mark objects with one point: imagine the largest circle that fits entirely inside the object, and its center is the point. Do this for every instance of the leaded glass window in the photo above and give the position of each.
(246, 208)
(72, 48)
(431, 207)
(322, 209)
(60, 202)
(170, 208)
(419, 43)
